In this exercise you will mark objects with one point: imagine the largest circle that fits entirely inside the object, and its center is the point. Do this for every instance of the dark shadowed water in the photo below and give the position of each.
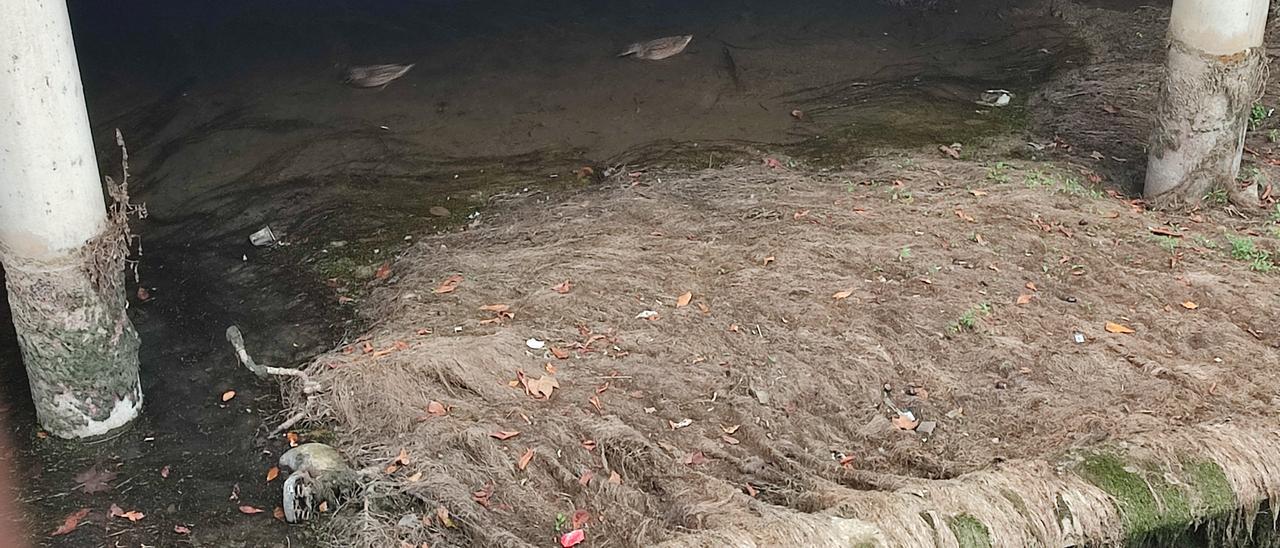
(236, 118)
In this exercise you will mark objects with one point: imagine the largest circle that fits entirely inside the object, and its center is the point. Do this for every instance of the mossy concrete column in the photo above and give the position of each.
(60, 253)
(1216, 69)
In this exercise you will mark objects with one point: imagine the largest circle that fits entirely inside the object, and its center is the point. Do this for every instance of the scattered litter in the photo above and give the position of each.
(658, 48)
(926, 428)
(995, 98)
(647, 315)
(535, 344)
(572, 538)
(263, 237)
(681, 424)
(1078, 337)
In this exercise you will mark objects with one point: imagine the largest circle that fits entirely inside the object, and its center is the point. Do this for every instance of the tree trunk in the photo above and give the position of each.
(62, 257)
(1216, 69)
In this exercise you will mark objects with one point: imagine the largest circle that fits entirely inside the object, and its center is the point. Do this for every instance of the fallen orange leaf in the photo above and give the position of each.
(525, 458)
(183, 530)
(1118, 328)
(226, 396)
(563, 287)
(1190, 305)
(437, 409)
(449, 284)
(842, 295)
(751, 491)
(559, 353)
(383, 272)
(70, 523)
(1024, 299)
(1032, 286)
(585, 478)
(614, 478)
(504, 435)
(246, 509)
(905, 422)
(273, 473)
(768, 260)
(683, 300)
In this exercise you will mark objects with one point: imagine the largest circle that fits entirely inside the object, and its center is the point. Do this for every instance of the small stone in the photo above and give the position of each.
(438, 211)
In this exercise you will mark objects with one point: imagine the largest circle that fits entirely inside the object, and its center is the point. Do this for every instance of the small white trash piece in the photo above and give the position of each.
(263, 237)
(995, 98)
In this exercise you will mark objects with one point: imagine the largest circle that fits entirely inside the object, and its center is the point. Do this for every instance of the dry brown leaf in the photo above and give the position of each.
(437, 409)
(730, 429)
(706, 310)
(499, 308)
(1112, 327)
(273, 473)
(842, 295)
(226, 396)
(768, 260)
(246, 509)
(1164, 231)
(278, 513)
(965, 216)
(614, 478)
(1190, 305)
(905, 422)
(559, 353)
(383, 271)
(949, 151)
(1032, 286)
(70, 523)
(683, 300)
(563, 287)
(978, 193)
(1024, 299)
(542, 388)
(595, 402)
(729, 439)
(751, 491)
(585, 478)
(589, 445)
(449, 284)
(324, 506)
(293, 439)
(95, 480)
(504, 434)
(443, 514)
(695, 458)
(525, 458)
(184, 530)
(846, 461)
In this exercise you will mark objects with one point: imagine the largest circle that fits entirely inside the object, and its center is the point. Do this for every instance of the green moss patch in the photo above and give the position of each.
(969, 532)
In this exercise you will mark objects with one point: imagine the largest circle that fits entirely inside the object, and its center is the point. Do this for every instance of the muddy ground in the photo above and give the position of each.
(495, 126)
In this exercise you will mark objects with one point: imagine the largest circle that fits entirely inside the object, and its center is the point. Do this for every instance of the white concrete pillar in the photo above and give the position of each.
(78, 345)
(1216, 70)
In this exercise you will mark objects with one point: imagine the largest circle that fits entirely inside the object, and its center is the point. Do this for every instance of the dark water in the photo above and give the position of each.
(236, 118)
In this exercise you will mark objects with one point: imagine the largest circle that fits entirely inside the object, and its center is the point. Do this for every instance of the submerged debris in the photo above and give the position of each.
(659, 48)
(372, 76)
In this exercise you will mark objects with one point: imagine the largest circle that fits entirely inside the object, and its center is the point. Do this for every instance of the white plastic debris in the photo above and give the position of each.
(1078, 337)
(995, 98)
(535, 344)
(263, 237)
(681, 424)
(647, 314)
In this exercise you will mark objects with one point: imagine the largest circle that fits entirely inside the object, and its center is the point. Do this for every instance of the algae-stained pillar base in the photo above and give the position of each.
(61, 256)
(1216, 69)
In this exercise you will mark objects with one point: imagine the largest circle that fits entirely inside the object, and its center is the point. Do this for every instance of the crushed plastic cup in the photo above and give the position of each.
(263, 237)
